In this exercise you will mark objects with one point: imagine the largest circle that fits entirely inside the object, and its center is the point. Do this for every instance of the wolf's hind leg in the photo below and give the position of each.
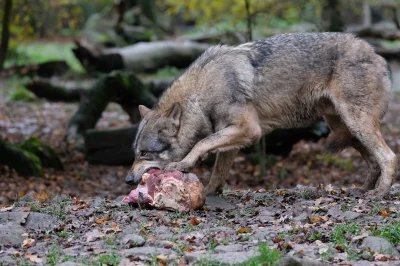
(221, 169)
(341, 138)
(367, 130)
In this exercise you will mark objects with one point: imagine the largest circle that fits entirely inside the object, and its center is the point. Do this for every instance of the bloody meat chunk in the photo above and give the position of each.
(172, 191)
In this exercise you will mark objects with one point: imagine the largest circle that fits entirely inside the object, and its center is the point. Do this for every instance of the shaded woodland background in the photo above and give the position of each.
(74, 72)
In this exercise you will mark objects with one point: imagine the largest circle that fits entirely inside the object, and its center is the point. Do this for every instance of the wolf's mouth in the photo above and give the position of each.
(152, 170)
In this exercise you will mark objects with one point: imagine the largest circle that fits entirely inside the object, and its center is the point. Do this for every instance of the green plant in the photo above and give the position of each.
(54, 255)
(111, 259)
(268, 256)
(342, 232)
(315, 235)
(391, 232)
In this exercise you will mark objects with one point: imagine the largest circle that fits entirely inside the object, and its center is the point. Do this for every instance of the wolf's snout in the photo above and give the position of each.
(130, 180)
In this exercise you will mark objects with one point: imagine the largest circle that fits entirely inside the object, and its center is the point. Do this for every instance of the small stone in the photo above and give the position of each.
(217, 203)
(380, 245)
(334, 212)
(349, 215)
(41, 222)
(230, 258)
(11, 235)
(303, 217)
(159, 244)
(229, 248)
(147, 251)
(293, 261)
(132, 240)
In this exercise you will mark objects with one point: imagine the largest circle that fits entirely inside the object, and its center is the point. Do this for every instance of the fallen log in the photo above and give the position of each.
(57, 92)
(140, 57)
(112, 147)
(124, 89)
(46, 70)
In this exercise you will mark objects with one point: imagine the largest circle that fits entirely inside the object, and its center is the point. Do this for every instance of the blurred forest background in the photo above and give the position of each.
(72, 73)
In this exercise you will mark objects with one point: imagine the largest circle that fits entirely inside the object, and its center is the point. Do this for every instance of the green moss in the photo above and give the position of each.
(24, 162)
(21, 95)
(46, 154)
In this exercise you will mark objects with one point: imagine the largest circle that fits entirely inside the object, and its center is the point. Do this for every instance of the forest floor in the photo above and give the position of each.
(300, 210)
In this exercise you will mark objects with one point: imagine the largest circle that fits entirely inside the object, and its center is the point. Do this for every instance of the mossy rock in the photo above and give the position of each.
(46, 154)
(24, 162)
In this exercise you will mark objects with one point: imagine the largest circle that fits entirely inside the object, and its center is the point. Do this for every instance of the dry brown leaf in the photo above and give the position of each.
(41, 197)
(102, 220)
(162, 259)
(282, 192)
(194, 221)
(314, 219)
(114, 228)
(244, 230)
(29, 242)
(33, 258)
(384, 213)
(6, 209)
(339, 248)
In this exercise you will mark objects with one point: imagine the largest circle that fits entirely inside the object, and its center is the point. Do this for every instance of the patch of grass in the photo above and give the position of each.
(328, 255)
(207, 261)
(342, 232)
(111, 240)
(390, 232)
(111, 259)
(54, 255)
(315, 235)
(57, 210)
(39, 52)
(268, 256)
(308, 195)
(64, 234)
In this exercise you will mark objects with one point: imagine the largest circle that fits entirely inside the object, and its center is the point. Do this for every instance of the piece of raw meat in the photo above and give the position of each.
(172, 191)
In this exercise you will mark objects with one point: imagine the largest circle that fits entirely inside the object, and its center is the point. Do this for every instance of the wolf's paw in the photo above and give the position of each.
(178, 166)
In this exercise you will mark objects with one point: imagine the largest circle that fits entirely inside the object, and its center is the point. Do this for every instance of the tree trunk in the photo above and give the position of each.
(141, 57)
(5, 34)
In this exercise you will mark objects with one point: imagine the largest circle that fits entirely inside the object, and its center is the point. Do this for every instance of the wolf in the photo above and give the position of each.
(232, 95)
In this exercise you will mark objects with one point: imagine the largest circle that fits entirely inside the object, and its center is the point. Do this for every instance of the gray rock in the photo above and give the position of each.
(159, 244)
(15, 217)
(227, 258)
(381, 245)
(335, 212)
(349, 215)
(147, 251)
(224, 229)
(10, 234)
(132, 240)
(310, 250)
(217, 203)
(41, 222)
(73, 251)
(70, 263)
(360, 262)
(293, 261)
(229, 248)
(303, 217)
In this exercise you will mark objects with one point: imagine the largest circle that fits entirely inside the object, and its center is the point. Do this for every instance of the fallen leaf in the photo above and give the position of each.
(33, 258)
(244, 230)
(194, 221)
(102, 220)
(314, 219)
(282, 192)
(41, 197)
(114, 228)
(384, 213)
(29, 242)
(339, 248)
(6, 209)
(94, 235)
(162, 259)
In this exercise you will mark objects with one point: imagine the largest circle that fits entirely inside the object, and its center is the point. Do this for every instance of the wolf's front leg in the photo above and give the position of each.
(221, 169)
(243, 131)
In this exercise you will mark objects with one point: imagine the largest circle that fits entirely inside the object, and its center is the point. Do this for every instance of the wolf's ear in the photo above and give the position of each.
(175, 114)
(143, 110)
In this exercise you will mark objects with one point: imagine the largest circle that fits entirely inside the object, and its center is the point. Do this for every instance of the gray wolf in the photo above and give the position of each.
(230, 96)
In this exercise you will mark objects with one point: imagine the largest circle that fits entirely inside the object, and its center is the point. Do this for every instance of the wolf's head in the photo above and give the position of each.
(156, 142)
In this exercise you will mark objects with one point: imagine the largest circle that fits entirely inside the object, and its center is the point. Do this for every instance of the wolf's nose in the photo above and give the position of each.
(130, 180)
